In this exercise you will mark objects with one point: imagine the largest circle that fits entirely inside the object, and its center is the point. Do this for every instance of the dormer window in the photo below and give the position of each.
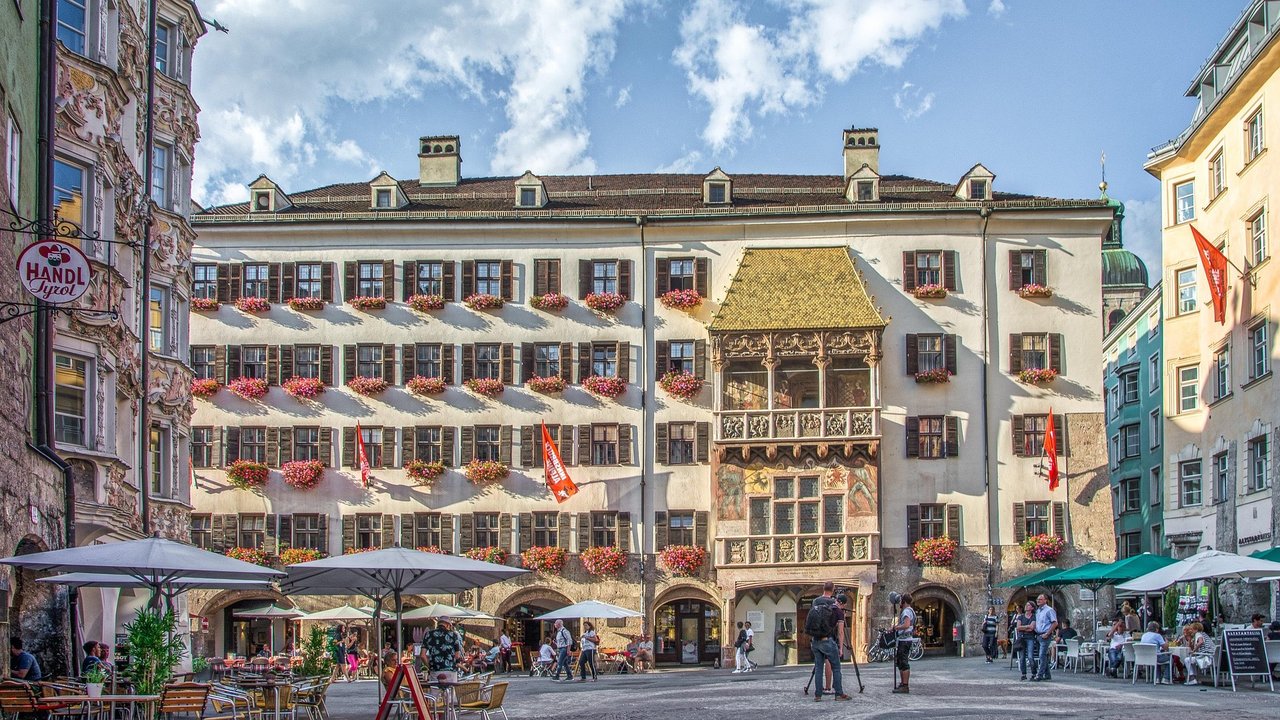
(266, 196)
(977, 189)
(383, 198)
(715, 192)
(863, 186)
(717, 188)
(528, 197)
(262, 201)
(530, 192)
(976, 184)
(866, 190)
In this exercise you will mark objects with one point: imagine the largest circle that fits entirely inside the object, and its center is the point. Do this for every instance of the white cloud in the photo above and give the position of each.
(996, 8)
(688, 162)
(742, 69)
(270, 85)
(912, 100)
(624, 97)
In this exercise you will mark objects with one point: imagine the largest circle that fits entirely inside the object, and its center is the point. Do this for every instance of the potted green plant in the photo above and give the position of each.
(154, 650)
(94, 677)
(316, 660)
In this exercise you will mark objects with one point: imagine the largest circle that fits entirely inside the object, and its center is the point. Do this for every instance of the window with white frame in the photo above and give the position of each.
(158, 320)
(369, 279)
(204, 281)
(604, 276)
(604, 444)
(13, 156)
(716, 192)
(428, 360)
(1222, 372)
(166, 45)
(929, 355)
(158, 457)
(308, 282)
(1153, 373)
(489, 277)
(427, 530)
(202, 447)
(253, 361)
(1259, 462)
(253, 530)
(71, 400)
(1129, 387)
(1131, 495)
(1217, 176)
(484, 530)
(202, 531)
(489, 361)
(604, 359)
(977, 189)
(1155, 488)
(368, 531)
(1258, 237)
(1130, 545)
(369, 361)
(1221, 477)
(1131, 440)
(1255, 143)
(1259, 350)
(1186, 278)
(680, 356)
(253, 444)
(161, 159)
(866, 190)
(427, 444)
(1154, 428)
(256, 280)
(1184, 201)
(1188, 388)
(306, 361)
(488, 442)
(73, 25)
(430, 278)
(372, 439)
(306, 531)
(933, 521)
(1189, 482)
(306, 444)
(528, 197)
(546, 359)
(382, 198)
(680, 440)
(681, 274)
(204, 361)
(929, 268)
(546, 529)
(1036, 519)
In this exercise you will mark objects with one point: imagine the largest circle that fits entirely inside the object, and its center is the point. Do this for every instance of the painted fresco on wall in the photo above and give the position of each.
(729, 497)
(858, 481)
(863, 489)
(758, 481)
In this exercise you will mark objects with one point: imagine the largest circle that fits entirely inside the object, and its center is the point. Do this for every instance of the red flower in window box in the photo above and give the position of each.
(1037, 376)
(488, 387)
(367, 386)
(605, 302)
(484, 301)
(1043, 548)
(495, 555)
(247, 474)
(303, 388)
(249, 388)
(681, 299)
(206, 304)
(204, 387)
(484, 472)
(422, 472)
(606, 560)
(683, 385)
(543, 559)
(257, 556)
(607, 386)
(937, 375)
(433, 549)
(306, 303)
(293, 556)
(302, 474)
(1035, 290)
(426, 303)
(368, 302)
(253, 305)
(935, 552)
(929, 290)
(419, 385)
(683, 560)
(550, 302)
(549, 384)
(357, 550)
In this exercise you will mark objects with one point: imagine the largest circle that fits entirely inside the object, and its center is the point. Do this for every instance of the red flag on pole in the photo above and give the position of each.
(558, 480)
(1051, 450)
(1215, 269)
(362, 459)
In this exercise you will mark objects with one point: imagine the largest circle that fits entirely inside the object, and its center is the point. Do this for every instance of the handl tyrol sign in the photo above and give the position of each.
(54, 271)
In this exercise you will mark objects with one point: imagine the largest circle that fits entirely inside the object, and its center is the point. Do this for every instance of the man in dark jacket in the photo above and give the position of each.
(822, 640)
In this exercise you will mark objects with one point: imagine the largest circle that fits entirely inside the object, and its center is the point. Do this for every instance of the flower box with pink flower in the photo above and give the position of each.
(551, 302)
(683, 560)
(295, 555)
(205, 304)
(423, 472)
(485, 472)
(488, 387)
(253, 305)
(606, 386)
(1043, 548)
(419, 385)
(929, 291)
(433, 549)
(484, 301)
(249, 388)
(257, 556)
(367, 386)
(426, 303)
(937, 375)
(547, 559)
(682, 299)
(1037, 376)
(1035, 290)
(549, 384)
(306, 303)
(204, 387)
(605, 301)
(248, 474)
(680, 384)
(302, 474)
(303, 388)
(495, 555)
(603, 560)
(368, 302)
(935, 552)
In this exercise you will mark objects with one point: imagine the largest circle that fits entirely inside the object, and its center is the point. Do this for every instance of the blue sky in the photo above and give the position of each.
(313, 92)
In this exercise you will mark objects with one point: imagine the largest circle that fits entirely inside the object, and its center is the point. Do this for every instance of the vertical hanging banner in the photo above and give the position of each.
(1215, 269)
(362, 458)
(1051, 450)
(558, 480)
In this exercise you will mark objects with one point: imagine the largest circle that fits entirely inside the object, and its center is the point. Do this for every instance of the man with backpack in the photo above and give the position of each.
(564, 643)
(820, 626)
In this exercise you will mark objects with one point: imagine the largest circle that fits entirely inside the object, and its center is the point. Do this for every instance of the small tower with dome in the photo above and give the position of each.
(1124, 275)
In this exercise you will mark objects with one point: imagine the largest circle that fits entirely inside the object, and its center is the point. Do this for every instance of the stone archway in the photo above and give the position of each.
(519, 610)
(211, 641)
(38, 613)
(939, 615)
(687, 626)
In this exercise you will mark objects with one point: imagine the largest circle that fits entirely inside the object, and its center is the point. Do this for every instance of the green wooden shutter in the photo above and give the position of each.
(348, 532)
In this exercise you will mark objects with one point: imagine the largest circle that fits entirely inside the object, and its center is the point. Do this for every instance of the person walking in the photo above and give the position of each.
(1046, 624)
(990, 624)
(443, 649)
(564, 643)
(1026, 627)
(906, 628)
(820, 626)
(748, 646)
(739, 651)
(590, 642)
(505, 650)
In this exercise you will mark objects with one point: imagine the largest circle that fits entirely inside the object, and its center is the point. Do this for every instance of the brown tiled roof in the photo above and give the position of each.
(813, 288)
(618, 196)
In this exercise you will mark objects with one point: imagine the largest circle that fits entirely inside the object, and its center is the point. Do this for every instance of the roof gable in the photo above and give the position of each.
(813, 288)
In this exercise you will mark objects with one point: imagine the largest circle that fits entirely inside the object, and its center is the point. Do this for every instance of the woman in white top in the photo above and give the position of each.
(590, 641)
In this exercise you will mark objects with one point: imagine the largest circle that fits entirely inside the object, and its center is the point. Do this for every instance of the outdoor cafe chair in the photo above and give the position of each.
(310, 697)
(240, 703)
(179, 699)
(19, 699)
(1073, 657)
(487, 707)
(1147, 655)
(1127, 653)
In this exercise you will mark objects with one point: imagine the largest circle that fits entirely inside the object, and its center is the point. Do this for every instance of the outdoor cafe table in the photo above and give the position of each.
(103, 701)
(271, 687)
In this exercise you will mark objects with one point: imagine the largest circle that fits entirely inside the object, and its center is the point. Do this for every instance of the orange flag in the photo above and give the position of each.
(1215, 269)
(558, 479)
(362, 459)
(1051, 450)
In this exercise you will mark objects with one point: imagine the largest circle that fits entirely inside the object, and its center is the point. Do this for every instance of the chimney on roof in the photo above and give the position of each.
(861, 147)
(439, 161)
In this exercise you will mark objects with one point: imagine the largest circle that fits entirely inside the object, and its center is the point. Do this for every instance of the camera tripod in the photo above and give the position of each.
(813, 673)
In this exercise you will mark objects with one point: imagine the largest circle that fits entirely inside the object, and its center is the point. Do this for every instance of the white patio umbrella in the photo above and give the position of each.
(270, 612)
(175, 586)
(1212, 565)
(443, 610)
(340, 613)
(589, 609)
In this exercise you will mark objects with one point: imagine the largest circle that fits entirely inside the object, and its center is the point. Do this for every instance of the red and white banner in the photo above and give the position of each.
(1215, 269)
(362, 459)
(558, 480)
(1051, 451)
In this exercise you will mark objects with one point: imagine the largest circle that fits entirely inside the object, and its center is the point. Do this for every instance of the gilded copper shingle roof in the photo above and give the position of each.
(814, 288)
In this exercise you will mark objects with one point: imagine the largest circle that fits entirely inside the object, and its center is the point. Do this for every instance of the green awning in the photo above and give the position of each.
(1088, 575)
(1272, 554)
(1134, 567)
(1034, 578)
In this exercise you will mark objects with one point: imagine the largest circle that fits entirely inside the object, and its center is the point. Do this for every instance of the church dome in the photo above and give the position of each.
(1121, 268)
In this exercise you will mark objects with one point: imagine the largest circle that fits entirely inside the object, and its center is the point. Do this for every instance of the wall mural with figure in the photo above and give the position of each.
(856, 480)
(728, 493)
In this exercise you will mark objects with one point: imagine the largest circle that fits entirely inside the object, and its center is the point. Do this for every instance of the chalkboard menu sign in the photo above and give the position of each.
(1246, 653)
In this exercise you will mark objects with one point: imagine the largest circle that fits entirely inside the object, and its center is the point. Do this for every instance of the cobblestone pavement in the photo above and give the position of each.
(956, 687)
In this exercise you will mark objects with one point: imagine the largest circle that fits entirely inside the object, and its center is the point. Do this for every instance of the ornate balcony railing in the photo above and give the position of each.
(797, 425)
(800, 550)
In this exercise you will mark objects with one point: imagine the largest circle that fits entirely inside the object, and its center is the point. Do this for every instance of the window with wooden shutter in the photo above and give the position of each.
(468, 361)
(271, 535)
(326, 446)
(507, 280)
(348, 447)
(273, 447)
(504, 445)
(1015, 353)
(624, 361)
(234, 369)
(624, 532)
(1019, 522)
(949, 352)
(1060, 519)
(388, 455)
(546, 276)
(388, 280)
(563, 531)
(468, 446)
(408, 361)
(1055, 352)
(526, 445)
(389, 364)
(660, 440)
(1019, 435)
(913, 357)
(624, 278)
(466, 532)
(955, 528)
(326, 282)
(348, 532)
(504, 531)
(273, 365)
(624, 444)
(224, 283)
(908, 270)
(388, 531)
(912, 425)
(702, 442)
(951, 439)
(448, 281)
(662, 276)
(660, 538)
(584, 278)
(700, 359)
(468, 278)
(350, 269)
(273, 282)
(220, 364)
(661, 357)
(584, 361)
(950, 259)
(565, 442)
(235, 284)
(584, 445)
(408, 534)
(408, 279)
(506, 372)
(526, 531)
(231, 445)
(913, 525)
(446, 363)
(566, 362)
(702, 276)
(447, 436)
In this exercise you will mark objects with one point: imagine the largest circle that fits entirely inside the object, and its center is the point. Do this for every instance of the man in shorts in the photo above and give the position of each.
(906, 629)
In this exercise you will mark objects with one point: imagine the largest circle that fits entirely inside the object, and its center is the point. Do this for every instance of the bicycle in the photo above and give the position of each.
(876, 653)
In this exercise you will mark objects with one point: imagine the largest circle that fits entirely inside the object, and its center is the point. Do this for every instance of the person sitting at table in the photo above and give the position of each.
(91, 659)
(1116, 636)
(546, 656)
(1153, 637)
(644, 654)
(1257, 621)
(1273, 631)
(22, 664)
(262, 651)
(104, 652)
(1060, 636)
(389, 656)
(1201, 660)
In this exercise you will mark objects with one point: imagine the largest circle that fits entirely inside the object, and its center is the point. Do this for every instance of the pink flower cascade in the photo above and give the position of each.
(543, 559)
(1035, 376)
(936, 552)
(367, 302)
(603, 560)
(929, 290)
(605, 302)
(484, 301)
(683, 385)
(937, 375)
(605, 386)
(367, 385)
(433, 549)
(293, 556)
(426, 303)
(302, 474)
(488, 387)
(1035, 290)
(253, 305)
(204, 387)
(306, 303)
(247, 474)
(484, 472)
(495, 555)
(303, 388)
(1043, 548)
(683, 560)
(550, 302)
(419, 385)
(205, 304)
(248, 388)
(549, 384)
(423, 472)
(682, 299)
(257, 556)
